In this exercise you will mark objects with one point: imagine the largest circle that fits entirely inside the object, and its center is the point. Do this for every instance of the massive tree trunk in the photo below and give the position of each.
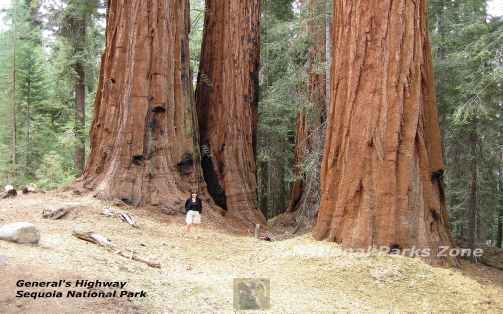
(381, 175)
(309, 119)
(227, 96)
(142, 146)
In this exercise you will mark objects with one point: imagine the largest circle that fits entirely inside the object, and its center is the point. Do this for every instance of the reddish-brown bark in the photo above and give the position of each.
(226, 97)
(309, 119)
(381, 171)
(142, 145)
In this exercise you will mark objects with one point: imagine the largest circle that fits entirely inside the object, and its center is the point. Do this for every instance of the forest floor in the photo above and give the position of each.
(197, 271)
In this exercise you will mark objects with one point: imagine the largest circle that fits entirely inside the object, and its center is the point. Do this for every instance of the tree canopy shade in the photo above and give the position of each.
(381, 177)
(143, 143)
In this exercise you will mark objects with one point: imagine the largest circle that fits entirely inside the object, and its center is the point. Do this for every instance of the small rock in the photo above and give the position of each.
(20, 232)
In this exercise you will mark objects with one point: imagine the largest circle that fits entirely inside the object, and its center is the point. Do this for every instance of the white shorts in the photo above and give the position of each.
(193, 217)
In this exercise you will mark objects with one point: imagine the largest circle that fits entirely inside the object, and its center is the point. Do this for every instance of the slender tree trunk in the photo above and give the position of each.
(80, 98)
(226, 97)
(499, 234)
(309, 121)
(381, 177)
(28, 167)
(13, 143)
(264, 184)
(80, 118)
(143, 146)
(473, 201)
(499, 221)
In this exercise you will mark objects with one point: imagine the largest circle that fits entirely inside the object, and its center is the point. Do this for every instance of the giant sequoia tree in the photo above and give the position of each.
(142, 143)
(382, 170)
(226, 99)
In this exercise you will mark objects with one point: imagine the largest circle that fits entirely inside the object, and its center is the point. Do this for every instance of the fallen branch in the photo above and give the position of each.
(139, 259)
(107, 244)
(93, 238)
(127, 218)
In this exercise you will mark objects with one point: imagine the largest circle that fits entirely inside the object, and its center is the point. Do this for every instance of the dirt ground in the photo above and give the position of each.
(197, 271)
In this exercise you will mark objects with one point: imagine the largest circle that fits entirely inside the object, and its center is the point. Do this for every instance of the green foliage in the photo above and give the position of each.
(282, 93)
(32, 119)
(196, 35)
(44, 91)
(52, 171)
(5, 90)
(469, 71)
(279, 9)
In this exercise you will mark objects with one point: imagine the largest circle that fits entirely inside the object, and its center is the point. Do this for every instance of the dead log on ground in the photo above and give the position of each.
(57, 213)
(102, 241)
(9, 191)
(30, 188)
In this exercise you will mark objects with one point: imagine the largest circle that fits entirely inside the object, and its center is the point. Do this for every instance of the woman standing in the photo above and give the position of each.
(193, 208)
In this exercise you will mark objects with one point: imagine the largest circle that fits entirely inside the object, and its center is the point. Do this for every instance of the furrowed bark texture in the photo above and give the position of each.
(382, 167)
(309, 120)
(142, 146)
(227, 97)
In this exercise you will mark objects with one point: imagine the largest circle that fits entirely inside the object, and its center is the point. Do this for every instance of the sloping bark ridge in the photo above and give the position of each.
(227, 98)
(143, 149)
(382, 169)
